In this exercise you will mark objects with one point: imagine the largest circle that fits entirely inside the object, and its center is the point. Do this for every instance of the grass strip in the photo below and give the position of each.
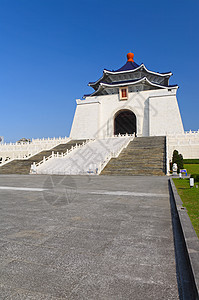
(192, 168)
(190, 199)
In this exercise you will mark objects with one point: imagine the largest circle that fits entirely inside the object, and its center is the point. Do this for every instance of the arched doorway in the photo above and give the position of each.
(125, 122)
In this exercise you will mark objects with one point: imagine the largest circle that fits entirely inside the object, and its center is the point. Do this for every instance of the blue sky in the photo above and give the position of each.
(51, 49)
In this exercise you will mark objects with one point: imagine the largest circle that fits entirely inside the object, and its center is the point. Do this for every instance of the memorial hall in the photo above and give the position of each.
(129, 100)
(129, 124)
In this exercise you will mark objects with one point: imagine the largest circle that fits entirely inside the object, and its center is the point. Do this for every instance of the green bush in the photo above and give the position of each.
(195, 176)
(191, 161)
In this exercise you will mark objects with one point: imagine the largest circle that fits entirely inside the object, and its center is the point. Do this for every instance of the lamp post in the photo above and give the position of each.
(191, 182)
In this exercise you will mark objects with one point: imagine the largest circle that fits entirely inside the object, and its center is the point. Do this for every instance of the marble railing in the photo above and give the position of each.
(10, 151)
(191, 132)
(116, 152)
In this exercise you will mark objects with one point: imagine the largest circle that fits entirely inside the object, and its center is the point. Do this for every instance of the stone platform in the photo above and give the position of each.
(86, 237)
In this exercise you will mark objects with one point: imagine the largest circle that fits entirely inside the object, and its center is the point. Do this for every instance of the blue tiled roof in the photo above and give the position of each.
(129, 65)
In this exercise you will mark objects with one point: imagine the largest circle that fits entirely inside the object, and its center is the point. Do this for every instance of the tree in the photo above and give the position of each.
(180, 162)
(178, 159)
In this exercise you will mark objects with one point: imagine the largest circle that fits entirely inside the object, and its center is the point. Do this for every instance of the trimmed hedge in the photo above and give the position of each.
(191, 161)
(195, 176)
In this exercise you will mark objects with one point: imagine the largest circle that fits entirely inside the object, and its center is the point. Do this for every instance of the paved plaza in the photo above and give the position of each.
(86, 237)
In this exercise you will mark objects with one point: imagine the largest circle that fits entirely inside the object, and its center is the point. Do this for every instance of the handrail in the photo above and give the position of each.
(184, 134)
(124, 135)
(192, 132)
(125, 139)
(33, 169)
(35, 141)
(113, 154)
(41, 148)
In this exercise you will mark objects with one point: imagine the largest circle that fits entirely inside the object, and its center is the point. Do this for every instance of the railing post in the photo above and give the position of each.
(99, 169)
(33, 168)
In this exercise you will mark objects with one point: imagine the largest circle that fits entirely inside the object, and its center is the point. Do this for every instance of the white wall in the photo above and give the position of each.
(156, 111)
(186, 144)
(164, 116)
(86, 120)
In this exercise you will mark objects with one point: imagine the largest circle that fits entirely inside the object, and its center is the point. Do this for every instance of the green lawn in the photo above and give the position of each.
(190, 199)
(192, 169)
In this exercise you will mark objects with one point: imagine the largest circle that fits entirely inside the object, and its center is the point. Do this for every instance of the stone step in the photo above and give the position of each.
(133, 166)
(143, 151)
(135, 169)
(143, 156)
(134, 158)
(147, 155)
(140, 159)
(136, 161)
(135, 172)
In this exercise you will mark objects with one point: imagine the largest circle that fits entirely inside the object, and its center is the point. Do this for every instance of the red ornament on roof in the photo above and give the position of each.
(130, 56)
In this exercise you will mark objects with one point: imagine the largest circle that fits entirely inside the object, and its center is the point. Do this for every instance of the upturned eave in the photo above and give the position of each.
(142, 66)
(103, 85)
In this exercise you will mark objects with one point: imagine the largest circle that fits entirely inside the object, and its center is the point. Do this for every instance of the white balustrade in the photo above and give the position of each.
(115, 153)
(88, 158)
(10, 151)
(57, 155)
(192, 132)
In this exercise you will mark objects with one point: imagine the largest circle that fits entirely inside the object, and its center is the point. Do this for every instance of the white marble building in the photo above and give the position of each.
(131, 99)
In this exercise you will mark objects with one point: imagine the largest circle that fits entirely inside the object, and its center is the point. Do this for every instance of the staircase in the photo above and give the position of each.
(143, 156)
(21, 166)
(85, 160)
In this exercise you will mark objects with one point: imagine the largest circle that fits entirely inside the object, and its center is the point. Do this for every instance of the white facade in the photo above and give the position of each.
(148, 96)
(157, 113)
